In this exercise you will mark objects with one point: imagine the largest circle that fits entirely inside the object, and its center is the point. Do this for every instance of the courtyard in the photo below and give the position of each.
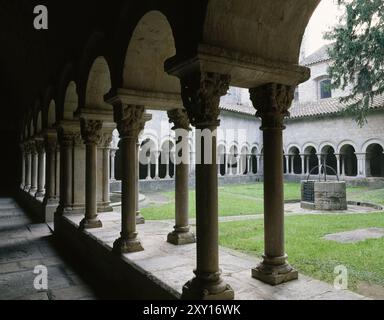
(241, 229)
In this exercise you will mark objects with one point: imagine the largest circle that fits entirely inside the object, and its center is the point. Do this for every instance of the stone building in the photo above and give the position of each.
(66, 90)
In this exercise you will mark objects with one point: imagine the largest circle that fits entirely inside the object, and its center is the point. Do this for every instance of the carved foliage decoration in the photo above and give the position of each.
(201, 93)
(91, 131)
(272, 102)
(179, 117)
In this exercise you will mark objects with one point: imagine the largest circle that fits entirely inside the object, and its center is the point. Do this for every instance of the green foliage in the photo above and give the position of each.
(358, 54)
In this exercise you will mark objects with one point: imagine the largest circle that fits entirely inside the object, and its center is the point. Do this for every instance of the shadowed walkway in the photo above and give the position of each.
(25, 245)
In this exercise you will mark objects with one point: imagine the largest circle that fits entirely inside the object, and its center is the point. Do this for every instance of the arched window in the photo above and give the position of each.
(325, 89)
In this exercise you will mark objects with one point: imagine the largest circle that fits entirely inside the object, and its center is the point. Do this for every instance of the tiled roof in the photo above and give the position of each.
(326, 107)
(238, 108)
(318, 56)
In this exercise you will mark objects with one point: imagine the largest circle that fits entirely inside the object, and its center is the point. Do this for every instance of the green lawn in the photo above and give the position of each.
(312, 255)
(247, 199)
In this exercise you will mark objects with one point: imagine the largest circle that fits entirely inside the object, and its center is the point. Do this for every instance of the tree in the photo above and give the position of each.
(358, 54)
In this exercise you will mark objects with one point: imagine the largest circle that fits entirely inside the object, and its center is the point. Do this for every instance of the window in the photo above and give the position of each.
(325, 89)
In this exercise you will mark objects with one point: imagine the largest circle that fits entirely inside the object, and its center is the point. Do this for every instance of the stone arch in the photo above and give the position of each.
(369, 142)
(39, 122)
(151, 44)
(311, 159)
(295, 166)
(348, 160)
(375, 160)
(51, 115)
(347, 142)
(67, 98)
(328, 157)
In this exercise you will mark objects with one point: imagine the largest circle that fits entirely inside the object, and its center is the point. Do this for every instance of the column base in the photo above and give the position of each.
(181, 238)
(275, 271)
(122, 246)
(139, 219)
(39, 194)
(32, 192)
(104, 208)
(207, 287)
(90, 224)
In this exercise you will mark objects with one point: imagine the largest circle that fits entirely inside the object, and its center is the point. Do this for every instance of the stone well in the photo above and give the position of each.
(325, 195)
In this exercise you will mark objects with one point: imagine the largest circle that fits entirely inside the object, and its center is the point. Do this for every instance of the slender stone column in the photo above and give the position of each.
(308, 157)
(292, 157)
(181, 234)
(92, 135)
(129, 125)
(319, 161)
(23, 165)
(272, 102)
(57, 173)
(139, 218)
(157, 167)
(302, 163)
(249, 164)
(113, 158)
(28, 166)
(103, 190)
(287, 163)
(339, 159)
(238, 162)
(201, 94)
(40, 147)
(149, 168)
(50, 149)
(168, 164)
(361, 161)
(344, 162)
(34, 168)
(66, 141)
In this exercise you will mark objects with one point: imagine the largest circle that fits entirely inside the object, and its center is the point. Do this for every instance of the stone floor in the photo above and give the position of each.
(25, 245)
(173, 265)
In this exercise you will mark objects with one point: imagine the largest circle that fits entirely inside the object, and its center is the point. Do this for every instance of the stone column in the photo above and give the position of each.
(287, 163)
(78, 172)
(34, 168)
(149, 168)
(181, 234)
(338, 162)
(66, 141)
(103, 158)
(40, 147)
(201, 94)
(319, 161)
(168, 163)
(92, 135)
(23, 165)
(361, 161)
(292, 157)
(50, 149)
(302, 164)
(272, 102)
(57, 173)
(157, 167)
(308, 157)
(249, 164)
(238, 162)
(344, 163)
(139, 218)
(260, 161)
(130, 124)
(113, 157)
(28, 166)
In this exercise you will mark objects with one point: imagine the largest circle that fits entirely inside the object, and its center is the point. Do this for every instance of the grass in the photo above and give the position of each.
(247, 199)
(311, 254)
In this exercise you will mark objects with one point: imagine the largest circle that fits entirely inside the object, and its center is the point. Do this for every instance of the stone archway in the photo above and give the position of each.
(329, 159)
(375, 160)
(348, 161)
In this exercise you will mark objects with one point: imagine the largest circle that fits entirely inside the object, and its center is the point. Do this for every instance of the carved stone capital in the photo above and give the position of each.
(105, 142)
(40, 146)
(50, 144)
(65, 138)
(132, 121)
(91, 131)
(179, 117)
(272, 102)
(201, 93)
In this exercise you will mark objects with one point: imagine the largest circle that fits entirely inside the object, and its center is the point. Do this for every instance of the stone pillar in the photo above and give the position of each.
(181, 234)
(92, 135)
(131, 122)
(34, 168)
(66, 140)
(344, 163)
(139, 218)
(149, 168)
(302, 164)
(57, 173)
(50, 149)
(361, 168)
(113, 157)
(40, 147)
(238, 162)
(23, 165)
(103, 167)
(308, 157)
(28, 166)
(292, 158)
(287, 163)
(78, 172)
(272, 102)
(201, 94)
(168, 164)
(339, 158)
(319, 161)
(249, 164)
(157, 167)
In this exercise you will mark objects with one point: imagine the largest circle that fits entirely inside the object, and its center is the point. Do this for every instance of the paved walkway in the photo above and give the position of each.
(173, 265)
(25, 245)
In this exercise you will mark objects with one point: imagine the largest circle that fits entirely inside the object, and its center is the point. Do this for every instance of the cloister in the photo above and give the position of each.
(83, 126)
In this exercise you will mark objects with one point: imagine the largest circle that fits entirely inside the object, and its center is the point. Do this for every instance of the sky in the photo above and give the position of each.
(325, 17)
